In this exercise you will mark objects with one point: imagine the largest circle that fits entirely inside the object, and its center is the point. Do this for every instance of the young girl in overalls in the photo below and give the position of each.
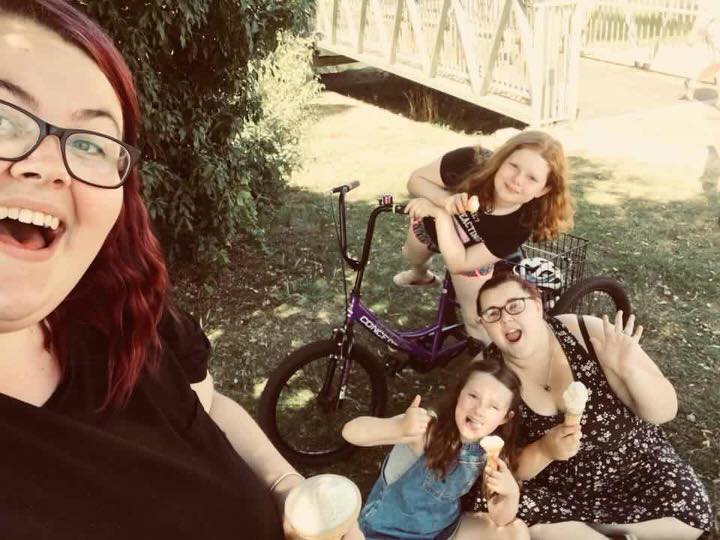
(437, 458)
(522, 192)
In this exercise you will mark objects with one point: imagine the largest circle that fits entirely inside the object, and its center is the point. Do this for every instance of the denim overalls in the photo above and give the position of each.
(419, 506)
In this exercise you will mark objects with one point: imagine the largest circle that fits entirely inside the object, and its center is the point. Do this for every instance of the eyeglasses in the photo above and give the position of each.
(514, 306)
(90, 157)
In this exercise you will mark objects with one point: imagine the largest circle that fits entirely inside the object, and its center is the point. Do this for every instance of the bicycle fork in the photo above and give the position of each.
(330, 397)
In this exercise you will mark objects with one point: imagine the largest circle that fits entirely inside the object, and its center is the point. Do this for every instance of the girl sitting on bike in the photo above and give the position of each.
(436, 459)
(522, 191)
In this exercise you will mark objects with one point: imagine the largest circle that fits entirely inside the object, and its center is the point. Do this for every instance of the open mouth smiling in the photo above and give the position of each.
(27, 229)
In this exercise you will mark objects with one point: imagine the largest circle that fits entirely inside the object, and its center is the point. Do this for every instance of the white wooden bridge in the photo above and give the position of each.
(520, 58)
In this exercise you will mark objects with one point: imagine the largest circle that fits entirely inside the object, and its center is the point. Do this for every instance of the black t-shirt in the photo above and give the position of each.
(157, 468)
(502, 235)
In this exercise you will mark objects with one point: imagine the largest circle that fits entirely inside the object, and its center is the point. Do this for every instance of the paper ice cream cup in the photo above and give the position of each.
(323, 507)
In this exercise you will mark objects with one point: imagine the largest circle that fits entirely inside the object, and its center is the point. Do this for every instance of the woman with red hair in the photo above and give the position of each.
(111, 428)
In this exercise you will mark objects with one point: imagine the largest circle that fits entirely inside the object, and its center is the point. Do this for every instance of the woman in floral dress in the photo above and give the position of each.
(614, 475)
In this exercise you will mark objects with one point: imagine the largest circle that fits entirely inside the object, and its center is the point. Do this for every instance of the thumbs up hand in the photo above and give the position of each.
(414, 422)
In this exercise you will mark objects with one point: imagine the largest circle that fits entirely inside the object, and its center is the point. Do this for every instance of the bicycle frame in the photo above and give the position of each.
(423, 357)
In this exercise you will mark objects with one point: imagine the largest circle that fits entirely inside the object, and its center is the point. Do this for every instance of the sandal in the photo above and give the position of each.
(406, 279)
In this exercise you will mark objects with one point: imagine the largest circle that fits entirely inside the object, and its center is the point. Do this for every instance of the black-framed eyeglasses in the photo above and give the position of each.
(514, 306)
(90, 157)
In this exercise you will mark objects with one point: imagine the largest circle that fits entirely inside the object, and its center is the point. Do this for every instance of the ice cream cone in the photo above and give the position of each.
(575, 397)
(572, 419)
(493, 445)
(473, 204)
(323, 507)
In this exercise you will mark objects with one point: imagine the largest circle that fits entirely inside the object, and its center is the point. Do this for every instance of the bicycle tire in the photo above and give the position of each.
(594, 296)
(318, 432)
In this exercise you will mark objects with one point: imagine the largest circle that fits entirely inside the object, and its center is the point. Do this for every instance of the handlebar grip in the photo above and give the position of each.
(399, 209)
(347, 187)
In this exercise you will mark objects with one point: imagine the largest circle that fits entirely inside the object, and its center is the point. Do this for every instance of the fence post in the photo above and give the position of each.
(579, 18)
(536, 61)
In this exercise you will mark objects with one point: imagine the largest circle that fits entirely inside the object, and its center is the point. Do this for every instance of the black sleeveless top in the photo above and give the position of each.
(157, 468)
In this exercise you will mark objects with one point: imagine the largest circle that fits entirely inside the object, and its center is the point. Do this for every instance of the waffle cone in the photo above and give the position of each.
(572, 419)
(492, 456)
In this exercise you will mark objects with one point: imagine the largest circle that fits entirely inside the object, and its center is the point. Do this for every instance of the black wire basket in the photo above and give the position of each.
(552, 265)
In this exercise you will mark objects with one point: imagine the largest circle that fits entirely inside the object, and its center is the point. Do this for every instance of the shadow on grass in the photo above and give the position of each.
(415, 101)
(266, 305)
(323, 110)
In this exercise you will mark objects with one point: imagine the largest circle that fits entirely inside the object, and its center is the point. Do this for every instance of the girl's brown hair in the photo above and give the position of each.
(546, 216)
(444, 441)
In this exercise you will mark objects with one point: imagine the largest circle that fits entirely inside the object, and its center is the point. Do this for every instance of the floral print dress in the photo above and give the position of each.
(626, 470)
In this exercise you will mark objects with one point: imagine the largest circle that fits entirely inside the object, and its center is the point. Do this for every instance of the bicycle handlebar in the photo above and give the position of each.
(347, 187)
(342, 229)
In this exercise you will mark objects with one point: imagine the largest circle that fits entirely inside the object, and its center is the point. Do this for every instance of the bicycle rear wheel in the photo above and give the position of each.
(297, 410)
(594, 296)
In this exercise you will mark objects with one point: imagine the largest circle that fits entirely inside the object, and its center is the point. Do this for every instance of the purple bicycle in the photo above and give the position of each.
(320, 386)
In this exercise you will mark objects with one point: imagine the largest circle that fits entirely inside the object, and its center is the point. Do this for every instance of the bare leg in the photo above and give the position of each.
(567, 530)
(655, 529)
(708, 73)
(476, 526)
(417, 255)
(466, 293)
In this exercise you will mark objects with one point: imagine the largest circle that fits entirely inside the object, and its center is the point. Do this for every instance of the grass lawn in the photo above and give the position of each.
(661, 240)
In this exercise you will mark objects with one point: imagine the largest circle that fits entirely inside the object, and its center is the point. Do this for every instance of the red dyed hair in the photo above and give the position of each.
(123, 294)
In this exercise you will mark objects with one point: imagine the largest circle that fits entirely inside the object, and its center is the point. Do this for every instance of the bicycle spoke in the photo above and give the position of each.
(309, 420)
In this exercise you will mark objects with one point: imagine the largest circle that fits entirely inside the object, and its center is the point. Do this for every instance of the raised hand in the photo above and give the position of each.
(500, 481)
(617, 345)
(561, 442)
(456, 203)
(459, 203)
(414, 422)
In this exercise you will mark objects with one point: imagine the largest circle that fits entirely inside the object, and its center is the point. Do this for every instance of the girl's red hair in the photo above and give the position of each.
(123, 294)
(546, 216)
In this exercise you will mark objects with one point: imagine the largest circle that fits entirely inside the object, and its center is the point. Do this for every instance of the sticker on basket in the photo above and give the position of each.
(541, 272)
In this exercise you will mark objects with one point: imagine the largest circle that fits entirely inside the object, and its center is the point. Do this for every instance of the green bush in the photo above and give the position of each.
(223, 85)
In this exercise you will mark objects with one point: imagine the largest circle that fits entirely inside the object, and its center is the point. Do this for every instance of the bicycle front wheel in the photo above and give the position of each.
(298, 409)
(594, 296)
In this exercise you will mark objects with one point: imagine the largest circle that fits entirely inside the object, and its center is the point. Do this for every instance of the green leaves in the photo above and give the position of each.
(225, 87)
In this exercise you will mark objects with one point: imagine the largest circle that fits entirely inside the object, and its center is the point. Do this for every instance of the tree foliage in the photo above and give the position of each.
(211, 142)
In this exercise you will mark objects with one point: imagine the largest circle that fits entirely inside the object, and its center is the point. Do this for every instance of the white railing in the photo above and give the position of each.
(634, 31)
(518, 57)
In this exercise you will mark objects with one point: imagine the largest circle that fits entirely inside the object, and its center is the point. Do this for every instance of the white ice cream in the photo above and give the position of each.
(492, 444)
(322, 503)
(473, 204)
(575, 397)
